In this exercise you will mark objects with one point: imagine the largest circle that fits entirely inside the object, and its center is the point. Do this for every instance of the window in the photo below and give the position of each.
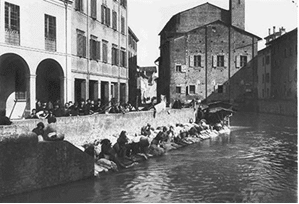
(12, 24)
(79, 5)
(95, 48)
(178, 68)
(114, 20)
(50, 33)
(93, 9)
(123, 25)
(267, 59)
(197, 61)
(114, 55)
(220, 88)
(123, 3)
(243, 60)
(192, 89)
(220, 60)
(267, 77)
(105, 51)
(81, 43)
(123, 58)
(105, 15)
(178, 89)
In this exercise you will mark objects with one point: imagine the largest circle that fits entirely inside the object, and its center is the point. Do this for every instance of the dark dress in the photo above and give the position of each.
(5, 120)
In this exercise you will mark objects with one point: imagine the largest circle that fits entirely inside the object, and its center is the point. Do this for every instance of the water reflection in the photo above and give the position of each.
(257, 162)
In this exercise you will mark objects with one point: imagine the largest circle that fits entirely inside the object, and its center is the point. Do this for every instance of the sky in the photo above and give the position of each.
(147, 18)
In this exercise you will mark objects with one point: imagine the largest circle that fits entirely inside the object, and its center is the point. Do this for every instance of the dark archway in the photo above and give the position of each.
(49, 81)
(14, 83)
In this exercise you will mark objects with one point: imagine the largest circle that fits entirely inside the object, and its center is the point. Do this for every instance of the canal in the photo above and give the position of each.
(257, 162)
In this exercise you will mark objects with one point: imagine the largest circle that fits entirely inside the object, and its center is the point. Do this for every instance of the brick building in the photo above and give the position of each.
(205, 53)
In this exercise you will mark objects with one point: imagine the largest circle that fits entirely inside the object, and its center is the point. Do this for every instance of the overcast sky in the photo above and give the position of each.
(148, 17)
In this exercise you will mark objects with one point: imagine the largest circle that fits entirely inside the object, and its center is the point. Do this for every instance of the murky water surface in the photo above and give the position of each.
(257, 162)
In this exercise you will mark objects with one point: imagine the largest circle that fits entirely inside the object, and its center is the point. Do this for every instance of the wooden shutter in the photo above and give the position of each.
(238, 61)
(79, 45)
(214, 60)
(94, 9)
(77, 5)
(191, 60)
(91, 49)
(103, 14)
(98, 50)
(108, 16)
(203, 61)
(84, 45)
(125, 59)
(225, 60)
(184, 68)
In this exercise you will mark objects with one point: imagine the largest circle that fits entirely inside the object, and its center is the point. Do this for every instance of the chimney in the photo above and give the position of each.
(273, 29)
(269, 31)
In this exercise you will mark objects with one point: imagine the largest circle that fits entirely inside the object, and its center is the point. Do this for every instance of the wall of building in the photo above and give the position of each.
(280, 107)
(284, 66)
(97, 70)
(264, 73)
(26, 164)
(208, 42)
(31, 50)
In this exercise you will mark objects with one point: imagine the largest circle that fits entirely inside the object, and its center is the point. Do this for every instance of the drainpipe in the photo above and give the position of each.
(87, 51)
(66, 63)
(206, 63)
(229, 60)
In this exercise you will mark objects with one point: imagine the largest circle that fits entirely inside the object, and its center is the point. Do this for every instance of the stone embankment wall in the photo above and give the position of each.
(26, 164)
(287, 108)
(81, 129)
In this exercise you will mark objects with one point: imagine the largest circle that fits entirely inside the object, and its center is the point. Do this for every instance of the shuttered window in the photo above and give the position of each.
(220, 60)
(114, 55)
(50, 33)
(95, 49)
(114, 20)
(105, 51)
(12, 24)
(105, 16)
(197, 61)
(123, 25)
(81, 44)
(123, 58)
(79, 5)
(93, 8)
(108, 17)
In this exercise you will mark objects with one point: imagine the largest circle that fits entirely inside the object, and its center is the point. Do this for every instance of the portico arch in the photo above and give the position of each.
(49, 81)
(14, 83)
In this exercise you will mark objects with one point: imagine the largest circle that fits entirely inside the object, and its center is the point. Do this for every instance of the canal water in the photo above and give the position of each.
(257, 162)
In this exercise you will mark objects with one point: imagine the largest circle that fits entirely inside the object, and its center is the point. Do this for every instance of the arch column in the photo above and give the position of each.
(32, 90)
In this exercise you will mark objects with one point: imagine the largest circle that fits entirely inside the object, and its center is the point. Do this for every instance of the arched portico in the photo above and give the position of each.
(49, 81)
(14, 84)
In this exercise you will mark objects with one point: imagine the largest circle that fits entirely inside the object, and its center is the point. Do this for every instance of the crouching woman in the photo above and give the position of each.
(51, 131)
